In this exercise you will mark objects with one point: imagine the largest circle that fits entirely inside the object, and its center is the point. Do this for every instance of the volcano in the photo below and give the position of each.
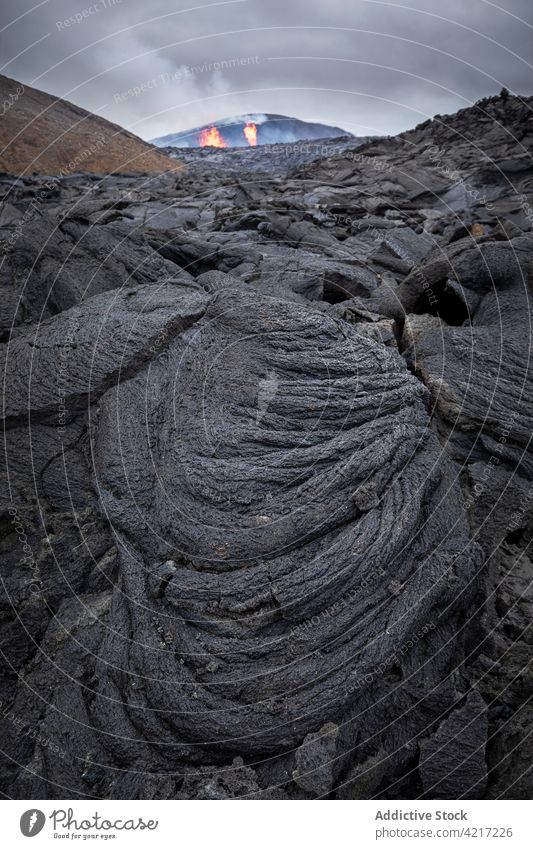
(251, 130)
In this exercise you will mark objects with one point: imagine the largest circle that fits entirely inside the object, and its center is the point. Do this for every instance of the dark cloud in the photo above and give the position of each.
(372, 66)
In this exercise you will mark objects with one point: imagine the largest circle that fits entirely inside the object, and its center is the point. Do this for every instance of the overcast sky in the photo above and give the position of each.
(370, 66)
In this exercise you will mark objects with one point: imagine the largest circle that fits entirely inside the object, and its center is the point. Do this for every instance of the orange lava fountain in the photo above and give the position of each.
(210, 137)
(250, 131)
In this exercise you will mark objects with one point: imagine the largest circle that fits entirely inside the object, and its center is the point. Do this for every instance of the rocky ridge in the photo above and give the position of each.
(41, 134)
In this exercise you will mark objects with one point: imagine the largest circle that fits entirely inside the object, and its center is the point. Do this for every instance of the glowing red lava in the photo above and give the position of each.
(250, 131)
(210, 137)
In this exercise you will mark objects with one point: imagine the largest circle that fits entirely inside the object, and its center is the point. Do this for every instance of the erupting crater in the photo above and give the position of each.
(211, 136)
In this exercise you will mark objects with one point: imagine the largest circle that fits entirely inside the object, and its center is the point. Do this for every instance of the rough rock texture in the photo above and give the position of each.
(267, 465)
(454, 757)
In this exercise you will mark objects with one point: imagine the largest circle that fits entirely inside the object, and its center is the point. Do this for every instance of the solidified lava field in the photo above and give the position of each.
(268, 476)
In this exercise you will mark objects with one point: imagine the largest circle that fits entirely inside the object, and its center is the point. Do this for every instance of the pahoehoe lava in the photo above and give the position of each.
(267, 459)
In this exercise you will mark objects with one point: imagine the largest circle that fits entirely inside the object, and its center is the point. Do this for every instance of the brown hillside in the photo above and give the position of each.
(45, 135)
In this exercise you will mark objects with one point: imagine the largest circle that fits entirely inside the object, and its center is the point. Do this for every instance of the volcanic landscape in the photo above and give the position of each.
(267, 462)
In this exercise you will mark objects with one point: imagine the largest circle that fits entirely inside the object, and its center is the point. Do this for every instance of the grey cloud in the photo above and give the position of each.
(369, 65)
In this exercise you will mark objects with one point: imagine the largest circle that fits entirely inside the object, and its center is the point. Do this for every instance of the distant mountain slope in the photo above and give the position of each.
(46, 135)
(271, 129)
